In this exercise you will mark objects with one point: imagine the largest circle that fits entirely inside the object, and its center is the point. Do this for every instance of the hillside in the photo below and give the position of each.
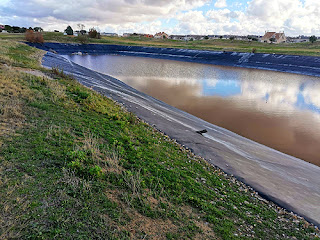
(77, 165)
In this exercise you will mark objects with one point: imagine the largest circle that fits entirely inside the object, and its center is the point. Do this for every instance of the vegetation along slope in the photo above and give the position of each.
(76, 165)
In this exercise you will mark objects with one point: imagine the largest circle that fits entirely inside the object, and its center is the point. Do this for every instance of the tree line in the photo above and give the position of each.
(17, 29)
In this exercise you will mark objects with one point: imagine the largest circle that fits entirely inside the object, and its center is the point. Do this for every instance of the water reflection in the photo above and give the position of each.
(276, 109)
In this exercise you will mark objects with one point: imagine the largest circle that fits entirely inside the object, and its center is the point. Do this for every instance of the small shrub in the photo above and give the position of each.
(38, 38)
(29, 36)
(96, 171)
(93, 33)
(254, 50)
(33, 37)
(83, 39)
(56, 71)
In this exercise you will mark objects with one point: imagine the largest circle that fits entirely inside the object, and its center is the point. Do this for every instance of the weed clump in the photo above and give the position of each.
(83, 38)
(93, 33)
(34, 37)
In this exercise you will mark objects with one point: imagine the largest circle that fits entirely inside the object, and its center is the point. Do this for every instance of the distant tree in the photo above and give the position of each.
(69, 30)
(83, 32)
(254, 39)
(313, 38)
(93, 33)
(232, 38)
(30, 28)
(23, 30)
(220, 37)
(191, 39)
(206, 37)
(56, 30)
(80, 26)
(16, 29)
(8, 28)
(38, 29)
(272, 40)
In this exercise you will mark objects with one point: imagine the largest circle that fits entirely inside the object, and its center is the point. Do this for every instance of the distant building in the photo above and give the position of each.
(213, 36)
(161, 35)
(276, 37)
(298, 39)
(177, 37)
(133, 35)
(194, 37)
(148, 36)
(109, 34)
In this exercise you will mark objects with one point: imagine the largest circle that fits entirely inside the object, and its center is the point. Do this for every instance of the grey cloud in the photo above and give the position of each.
(114, 11)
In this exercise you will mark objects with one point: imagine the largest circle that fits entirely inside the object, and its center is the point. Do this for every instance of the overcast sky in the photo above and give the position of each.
(294, 17)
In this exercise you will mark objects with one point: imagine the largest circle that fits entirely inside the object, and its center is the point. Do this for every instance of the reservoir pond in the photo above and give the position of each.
(280, 110)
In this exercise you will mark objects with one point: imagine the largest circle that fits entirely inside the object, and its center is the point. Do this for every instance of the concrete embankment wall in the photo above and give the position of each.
(285, 63)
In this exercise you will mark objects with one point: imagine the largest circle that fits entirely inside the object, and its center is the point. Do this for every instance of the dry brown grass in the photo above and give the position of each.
(11, 53)
(12, 94)
(4, 50)
(145, 227)
(77, 184)
(58, 90)
(107, 159)
(13, 91)
(91, 144)
(142, 226)
(34, 37)
(13, 206)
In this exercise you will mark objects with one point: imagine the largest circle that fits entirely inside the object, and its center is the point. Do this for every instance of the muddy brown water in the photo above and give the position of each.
(280, 110)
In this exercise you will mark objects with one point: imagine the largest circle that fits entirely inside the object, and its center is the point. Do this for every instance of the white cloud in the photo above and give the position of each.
(290, 15)
(220, 4)
(295, 17)
(115, 12)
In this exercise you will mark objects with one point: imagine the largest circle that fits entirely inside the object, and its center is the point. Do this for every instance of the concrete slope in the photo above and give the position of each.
(290, 182)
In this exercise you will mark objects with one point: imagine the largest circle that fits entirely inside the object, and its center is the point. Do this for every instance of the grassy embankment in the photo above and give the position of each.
(306, 48)
(75, 165)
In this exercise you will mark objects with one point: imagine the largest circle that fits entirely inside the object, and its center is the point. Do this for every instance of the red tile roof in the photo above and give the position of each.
(268, 35)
